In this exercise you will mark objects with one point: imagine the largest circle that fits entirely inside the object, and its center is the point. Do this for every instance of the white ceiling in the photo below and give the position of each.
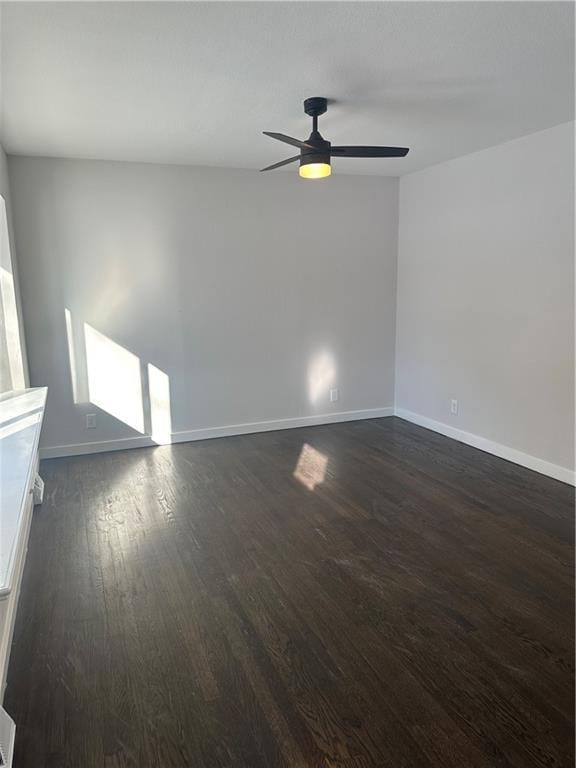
(196, 83)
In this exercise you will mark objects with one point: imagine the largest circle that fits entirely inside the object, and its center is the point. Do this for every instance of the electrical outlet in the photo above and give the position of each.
(454, 407)
(333, 395)
(90, 421)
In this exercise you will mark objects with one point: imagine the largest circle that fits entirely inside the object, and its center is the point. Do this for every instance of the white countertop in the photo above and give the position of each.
(20, 423)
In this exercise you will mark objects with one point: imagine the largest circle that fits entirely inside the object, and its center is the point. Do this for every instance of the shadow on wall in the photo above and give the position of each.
(115, 380)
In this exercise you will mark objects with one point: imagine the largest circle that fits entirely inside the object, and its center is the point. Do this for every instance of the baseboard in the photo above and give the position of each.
(497, 449)
(79, 449)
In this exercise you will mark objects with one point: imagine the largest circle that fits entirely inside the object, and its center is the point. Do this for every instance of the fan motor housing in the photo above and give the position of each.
(320, 153)
(307, 158)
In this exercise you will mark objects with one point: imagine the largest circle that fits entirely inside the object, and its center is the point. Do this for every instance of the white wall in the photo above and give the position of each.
(255, 293)
(486, 294)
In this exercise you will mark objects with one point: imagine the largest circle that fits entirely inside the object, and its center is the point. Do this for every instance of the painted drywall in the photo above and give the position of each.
(255, 294)
(486, 294)
(13, 372)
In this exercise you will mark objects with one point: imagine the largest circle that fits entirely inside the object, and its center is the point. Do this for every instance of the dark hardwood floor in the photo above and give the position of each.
(404, 602)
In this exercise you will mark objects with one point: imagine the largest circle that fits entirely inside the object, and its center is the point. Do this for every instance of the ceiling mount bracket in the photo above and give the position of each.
(315, 106)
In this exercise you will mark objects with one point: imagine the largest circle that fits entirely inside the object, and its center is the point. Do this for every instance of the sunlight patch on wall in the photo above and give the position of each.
(321, 376)
(311, 467)
(159, 389)
(10, 330)
(114, 382)
(71, 355)
(76, 359)
(10, 348)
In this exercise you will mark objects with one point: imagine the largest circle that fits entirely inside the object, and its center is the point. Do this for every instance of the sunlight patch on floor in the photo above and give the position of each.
(311, 467)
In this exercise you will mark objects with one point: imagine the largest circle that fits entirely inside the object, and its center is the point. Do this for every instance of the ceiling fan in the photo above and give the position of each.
(316, 152)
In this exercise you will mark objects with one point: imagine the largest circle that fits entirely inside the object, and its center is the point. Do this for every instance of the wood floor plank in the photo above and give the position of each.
(362, 595)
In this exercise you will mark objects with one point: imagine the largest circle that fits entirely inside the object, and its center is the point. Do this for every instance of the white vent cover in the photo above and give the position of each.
(7, 732)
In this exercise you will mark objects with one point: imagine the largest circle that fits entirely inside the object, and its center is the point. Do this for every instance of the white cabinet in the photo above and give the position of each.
(20, 424)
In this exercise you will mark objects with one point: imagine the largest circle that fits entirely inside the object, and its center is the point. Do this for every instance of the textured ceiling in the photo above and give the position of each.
(196, 83)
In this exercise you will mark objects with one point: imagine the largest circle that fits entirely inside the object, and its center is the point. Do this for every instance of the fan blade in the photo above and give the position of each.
(369, 151)
(288, 140)
(281, 163)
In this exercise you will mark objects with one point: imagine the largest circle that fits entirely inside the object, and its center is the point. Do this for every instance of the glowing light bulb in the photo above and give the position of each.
(315, 170)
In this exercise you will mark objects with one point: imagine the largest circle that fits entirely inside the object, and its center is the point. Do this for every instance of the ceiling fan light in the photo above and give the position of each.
(315, 170)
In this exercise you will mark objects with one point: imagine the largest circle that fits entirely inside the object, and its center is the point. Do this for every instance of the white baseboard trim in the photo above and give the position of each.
(497, 449)
(79, 449)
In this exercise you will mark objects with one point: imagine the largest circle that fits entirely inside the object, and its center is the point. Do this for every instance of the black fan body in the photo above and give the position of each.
(316, 150)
